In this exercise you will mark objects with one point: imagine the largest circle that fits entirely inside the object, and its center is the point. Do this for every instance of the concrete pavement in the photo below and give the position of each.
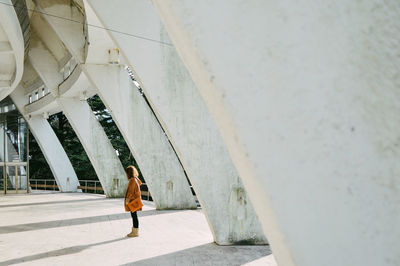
(88, 229)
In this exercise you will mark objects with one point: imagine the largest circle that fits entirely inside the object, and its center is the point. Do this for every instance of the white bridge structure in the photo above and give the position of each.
(283, 115)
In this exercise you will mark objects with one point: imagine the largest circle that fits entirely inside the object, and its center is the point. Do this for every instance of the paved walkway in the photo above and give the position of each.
(87, 229)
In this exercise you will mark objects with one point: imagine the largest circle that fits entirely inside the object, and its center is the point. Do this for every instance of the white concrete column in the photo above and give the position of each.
(158, 163)
(54, 153)
(306, 96)
(191, 129)
(95, 142)
(97, 146)
(162, 171)
(49, 144)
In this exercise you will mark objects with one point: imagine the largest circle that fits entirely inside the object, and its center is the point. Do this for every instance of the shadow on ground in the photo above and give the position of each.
(56, 253)
(208, 254)
(78, 221)
(50, 202)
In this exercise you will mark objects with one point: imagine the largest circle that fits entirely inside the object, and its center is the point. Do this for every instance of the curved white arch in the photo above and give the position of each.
(11, 49)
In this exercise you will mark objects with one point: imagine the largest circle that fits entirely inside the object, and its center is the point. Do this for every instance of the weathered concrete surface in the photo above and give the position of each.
(101, 153)
(191, 129)
(306, 96)
(71, 228)
(158, 163)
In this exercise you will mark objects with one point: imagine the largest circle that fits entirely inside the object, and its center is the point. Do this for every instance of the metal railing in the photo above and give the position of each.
(43, 184)
(88, 186)
(94, 186)
(91, 186)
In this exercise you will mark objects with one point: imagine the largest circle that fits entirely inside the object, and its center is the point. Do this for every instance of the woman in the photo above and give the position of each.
(133, 200)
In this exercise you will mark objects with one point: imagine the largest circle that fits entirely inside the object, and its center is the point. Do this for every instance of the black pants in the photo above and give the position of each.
(135, 219)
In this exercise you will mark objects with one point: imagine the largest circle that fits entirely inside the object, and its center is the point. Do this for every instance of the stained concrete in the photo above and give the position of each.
(88, 229)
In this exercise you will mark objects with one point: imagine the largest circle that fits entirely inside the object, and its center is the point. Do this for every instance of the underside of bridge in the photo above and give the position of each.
(281, 116)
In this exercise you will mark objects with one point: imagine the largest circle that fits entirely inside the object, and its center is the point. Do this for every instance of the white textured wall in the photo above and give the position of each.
(306, 96)
(183, 114)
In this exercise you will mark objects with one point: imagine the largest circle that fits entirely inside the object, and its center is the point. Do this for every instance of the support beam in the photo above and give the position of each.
(50, 146)
(305, 99)
(191, 129)
(144, 136)
(95, 142)
(97, 146)
(162, 171)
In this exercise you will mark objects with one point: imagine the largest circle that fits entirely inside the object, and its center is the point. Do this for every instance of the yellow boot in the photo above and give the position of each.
(134, 233)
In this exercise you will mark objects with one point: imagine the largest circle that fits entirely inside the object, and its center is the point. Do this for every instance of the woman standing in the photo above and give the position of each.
(133, 200)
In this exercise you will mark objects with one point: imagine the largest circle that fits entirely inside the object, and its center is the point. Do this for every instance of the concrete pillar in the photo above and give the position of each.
(192, 131)
(144, 136)
(49, 144)
(162, 171)
(97, 146)
(305, 95)
(95, 142)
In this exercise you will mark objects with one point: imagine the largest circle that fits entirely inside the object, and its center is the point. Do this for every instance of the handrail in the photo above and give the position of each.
(45, 184)
(96, 188)
(93, 187)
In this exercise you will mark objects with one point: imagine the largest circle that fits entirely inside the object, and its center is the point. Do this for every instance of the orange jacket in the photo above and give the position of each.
(133, 193)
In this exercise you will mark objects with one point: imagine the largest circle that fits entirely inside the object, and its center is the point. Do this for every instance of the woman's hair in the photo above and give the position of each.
(131, 171)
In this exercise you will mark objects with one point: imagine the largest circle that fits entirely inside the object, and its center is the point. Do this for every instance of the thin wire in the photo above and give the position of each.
(94, 26)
